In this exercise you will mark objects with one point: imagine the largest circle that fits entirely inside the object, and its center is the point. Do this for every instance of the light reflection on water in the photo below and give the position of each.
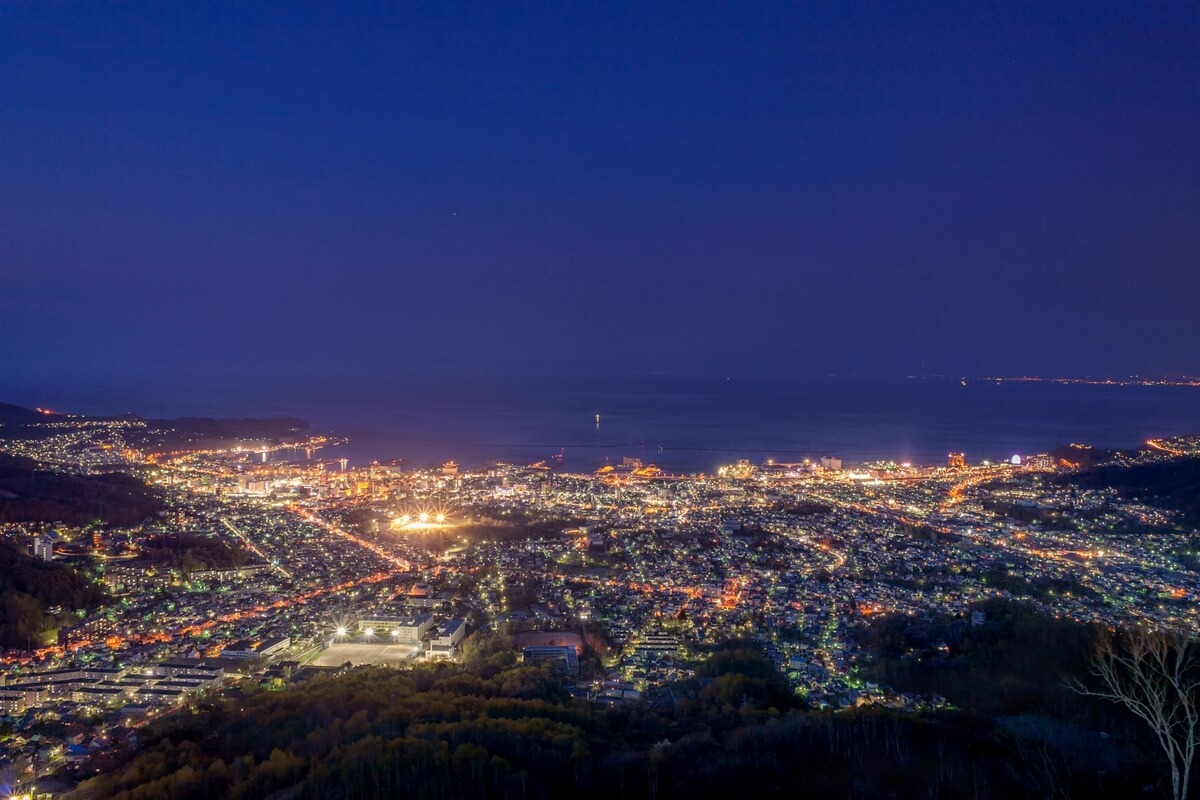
(683, 424)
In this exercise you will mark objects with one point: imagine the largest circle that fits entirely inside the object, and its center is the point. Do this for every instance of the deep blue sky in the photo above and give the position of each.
(997, 187)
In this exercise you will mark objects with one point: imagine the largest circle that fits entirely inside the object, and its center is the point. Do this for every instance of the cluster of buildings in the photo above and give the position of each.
(397, 631)
(382, 565)
(85, 688)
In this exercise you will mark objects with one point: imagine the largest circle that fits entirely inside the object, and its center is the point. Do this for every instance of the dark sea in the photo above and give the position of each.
(684, 424)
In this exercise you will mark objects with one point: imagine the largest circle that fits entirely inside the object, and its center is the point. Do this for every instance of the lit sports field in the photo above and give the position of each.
(356, 653)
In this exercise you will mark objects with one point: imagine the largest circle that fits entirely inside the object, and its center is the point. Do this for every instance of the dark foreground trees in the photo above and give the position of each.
(1156, 676)
(494, 729)
(29, 588)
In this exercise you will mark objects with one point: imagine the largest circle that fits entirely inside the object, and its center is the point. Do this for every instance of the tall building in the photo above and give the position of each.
(94, 630)
(957, 461)
(397, 628)
(447, 637)
(43, 548)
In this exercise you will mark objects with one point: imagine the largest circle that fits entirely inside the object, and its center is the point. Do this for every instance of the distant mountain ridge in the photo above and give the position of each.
(18, 416)
(18, 422)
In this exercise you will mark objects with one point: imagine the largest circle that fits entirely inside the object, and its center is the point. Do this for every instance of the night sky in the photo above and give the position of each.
(978, 188)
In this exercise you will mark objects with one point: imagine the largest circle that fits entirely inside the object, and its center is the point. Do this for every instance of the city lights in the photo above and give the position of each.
(657, 562)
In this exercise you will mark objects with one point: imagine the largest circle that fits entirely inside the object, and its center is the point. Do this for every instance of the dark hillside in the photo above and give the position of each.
(28, 587)
(1173, 484)
(29, 492)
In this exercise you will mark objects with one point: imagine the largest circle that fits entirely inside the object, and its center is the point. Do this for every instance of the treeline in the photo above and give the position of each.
(803, 508)
(31, 492)
(736, 679)
(1022, 513)
(498, 729)
(1014, 660)
(501, 525)
(1010, 673)
(1036, 586)
(1173, 484)
(29, 587)
(444, 732)
(191, 552)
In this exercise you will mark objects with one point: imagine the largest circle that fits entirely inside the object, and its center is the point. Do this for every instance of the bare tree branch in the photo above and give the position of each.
(1156, 676)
